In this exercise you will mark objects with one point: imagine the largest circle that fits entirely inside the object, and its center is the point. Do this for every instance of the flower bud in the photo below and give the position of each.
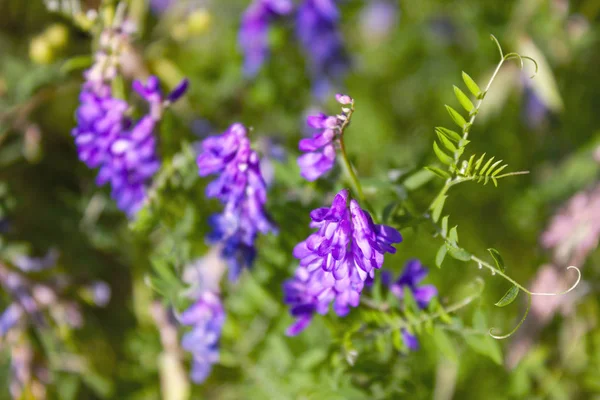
(57, 36)
(199, 22)
(343, 99)
(40, 51)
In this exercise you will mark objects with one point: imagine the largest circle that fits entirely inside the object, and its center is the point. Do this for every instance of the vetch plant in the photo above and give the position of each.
(330, 290)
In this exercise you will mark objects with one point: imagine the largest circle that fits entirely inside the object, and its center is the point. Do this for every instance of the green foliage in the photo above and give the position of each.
(397, 79)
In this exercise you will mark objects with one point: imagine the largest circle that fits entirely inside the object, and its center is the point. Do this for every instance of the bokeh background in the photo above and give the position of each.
(405, 56)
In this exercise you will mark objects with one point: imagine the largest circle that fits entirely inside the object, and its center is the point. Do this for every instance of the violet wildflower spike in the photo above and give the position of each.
(336, 260)
(254, 30)
(241, 188)
(206, 317)
(317, 31)
(321, 147)
(124, 150)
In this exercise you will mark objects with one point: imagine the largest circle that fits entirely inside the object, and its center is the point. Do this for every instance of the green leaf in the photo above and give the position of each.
(76, 63)
(463, 100)
(485, 167)
(437, 308)
(453, 235)
(493, 167)
(443, 157)
(445, 345)
(509, 297)
(478, 163)
(449, 133)
(486, 347)
(497, 258)
(471, 85)
(456, 117)
(496, 172)
(446, 142)
(441, 254)
(469, 165)
(459, 253)
(438, 206)
(397, 340)
(444, 226)
(439, 172)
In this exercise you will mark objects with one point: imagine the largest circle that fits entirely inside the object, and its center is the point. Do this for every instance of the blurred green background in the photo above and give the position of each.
(405, 60)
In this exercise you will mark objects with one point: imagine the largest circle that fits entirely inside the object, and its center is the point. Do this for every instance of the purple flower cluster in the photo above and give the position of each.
(254, 31)
(336, 260)
(317, 31)
(124, 150)
(206, 316)
(414, 272)
(320, 148)
(242, 189)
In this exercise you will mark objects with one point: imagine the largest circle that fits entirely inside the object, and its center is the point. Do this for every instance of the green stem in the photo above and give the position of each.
(345, 161)
(347, 166)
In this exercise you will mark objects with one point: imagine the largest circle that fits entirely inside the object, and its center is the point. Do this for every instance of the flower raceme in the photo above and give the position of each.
(206, 317)
(317, 31)
(336, 260)
(242, 189)
(254, 31)
(321, 148)
(124, 150)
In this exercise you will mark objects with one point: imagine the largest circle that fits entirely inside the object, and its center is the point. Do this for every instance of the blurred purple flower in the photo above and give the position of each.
(9, 318)
(242, 189)
(160, 6)
(320, 149)
(254, 30)
(101, 293)
(535, 111)
(410, 340)
(35, 264)
(336, 260)
(414, 272)
(206, 317)
(106, 138)
(377, 19)
(317, 30)
(575, 230)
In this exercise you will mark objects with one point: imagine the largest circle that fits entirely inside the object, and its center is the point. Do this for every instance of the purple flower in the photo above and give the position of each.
(242, 189)
(9, 318)
(377, 19)
(535, 111)
(206, 317)
(320, 148)
(336, 260)
(410, 340)
(123, 149)
(36, 264)
(413, 274)
(160, 6)
(317, 30)
(254, 30)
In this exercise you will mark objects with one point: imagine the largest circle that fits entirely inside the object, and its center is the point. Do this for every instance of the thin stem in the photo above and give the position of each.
(345, 117)
(350, 171)
(509, 334)
(495, 270)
